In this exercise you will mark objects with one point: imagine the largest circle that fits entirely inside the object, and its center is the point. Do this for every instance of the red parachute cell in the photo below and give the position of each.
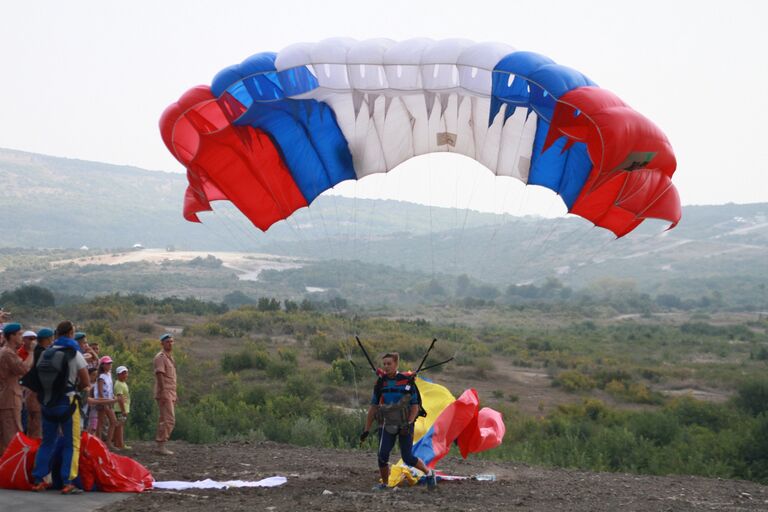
(236, 163)
(633, 161)
(486, 431)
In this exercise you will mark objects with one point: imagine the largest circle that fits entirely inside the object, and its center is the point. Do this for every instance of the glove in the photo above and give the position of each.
(364, 436)
(406, 430)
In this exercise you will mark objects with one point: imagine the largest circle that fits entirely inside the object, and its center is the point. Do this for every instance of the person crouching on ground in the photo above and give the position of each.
(106, 392)
(61, 416)
(395, 405)
(165, 393)
(122, 407)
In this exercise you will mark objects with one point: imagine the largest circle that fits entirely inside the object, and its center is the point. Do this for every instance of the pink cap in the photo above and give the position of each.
(105, 360)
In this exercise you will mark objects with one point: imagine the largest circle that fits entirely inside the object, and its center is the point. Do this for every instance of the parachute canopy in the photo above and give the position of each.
(272, 133)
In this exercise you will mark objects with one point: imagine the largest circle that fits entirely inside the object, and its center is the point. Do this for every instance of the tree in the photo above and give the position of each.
(237, 298)
(462, 285)
(268, 304)
(30, 295)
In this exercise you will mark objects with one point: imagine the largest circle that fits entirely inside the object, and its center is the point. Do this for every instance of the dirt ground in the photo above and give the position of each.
(341, 480)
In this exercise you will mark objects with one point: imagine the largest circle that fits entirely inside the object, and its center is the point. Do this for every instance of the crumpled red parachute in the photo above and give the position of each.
(99, 468)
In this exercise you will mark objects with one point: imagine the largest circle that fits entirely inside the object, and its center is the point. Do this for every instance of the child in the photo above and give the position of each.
(91, 408)
(105, 391)
(122, 407)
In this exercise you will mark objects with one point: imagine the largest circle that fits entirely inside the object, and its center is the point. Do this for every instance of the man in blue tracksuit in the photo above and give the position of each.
(61, 418)
(395, 405)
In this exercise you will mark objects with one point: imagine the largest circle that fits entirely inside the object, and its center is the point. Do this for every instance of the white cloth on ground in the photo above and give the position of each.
(177, 485)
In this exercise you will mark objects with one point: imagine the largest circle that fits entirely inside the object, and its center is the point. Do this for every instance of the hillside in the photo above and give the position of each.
(53, 202)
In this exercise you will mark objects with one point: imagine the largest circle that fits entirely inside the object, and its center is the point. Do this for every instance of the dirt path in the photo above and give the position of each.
(349, 475)
(248, 265)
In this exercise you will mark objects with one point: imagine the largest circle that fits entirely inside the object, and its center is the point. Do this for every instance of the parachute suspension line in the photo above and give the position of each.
(431, 230)
(466, 216)
(506, 216)
(539, 224)
(367, 233)
(580, 230)
(232, 236)
(355, 246)
(600, 248)
(338, 224)
(456, 218)
(231, 219)
(535, 236)
(357, 391)
(217, 234)
(555, 227)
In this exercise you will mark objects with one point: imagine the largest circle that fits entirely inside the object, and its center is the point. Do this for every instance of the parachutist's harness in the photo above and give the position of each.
(394, 417)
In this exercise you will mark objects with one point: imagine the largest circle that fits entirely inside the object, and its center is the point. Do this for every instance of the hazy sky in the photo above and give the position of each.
(89, 79)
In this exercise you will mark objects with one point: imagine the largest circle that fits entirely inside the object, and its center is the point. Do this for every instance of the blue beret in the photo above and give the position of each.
(45, 333)
(166, 336)
(11, 328)
(79, 335)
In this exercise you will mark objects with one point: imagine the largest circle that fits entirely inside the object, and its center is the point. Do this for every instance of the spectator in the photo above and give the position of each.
(122, 407)
(28, 338)
(34, 419)
(27, 341)
(4, 317)
(106, 392)
(11, 370)
(165, 393)
(91, 357)
(91, 407)
(94, 346)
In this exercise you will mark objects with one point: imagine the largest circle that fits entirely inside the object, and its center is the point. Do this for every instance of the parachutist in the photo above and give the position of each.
(395, 405)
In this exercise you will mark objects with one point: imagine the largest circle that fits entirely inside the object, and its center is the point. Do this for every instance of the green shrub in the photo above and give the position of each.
(325, 349)
(573, 380)
(341, 372)
(659, 428)
(251, 356)
(689, 411)
(309, 432)
(752, 396)
(193, 428)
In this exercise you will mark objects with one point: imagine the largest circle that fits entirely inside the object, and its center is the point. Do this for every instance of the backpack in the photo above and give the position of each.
(53, 374)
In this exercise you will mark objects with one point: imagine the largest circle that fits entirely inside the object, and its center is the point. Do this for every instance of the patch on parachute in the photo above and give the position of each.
(635, 160)
(446, 139)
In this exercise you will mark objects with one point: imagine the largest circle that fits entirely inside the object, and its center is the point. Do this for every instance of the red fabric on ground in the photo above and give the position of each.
(99, 469)
(17, 462)
(110, 472)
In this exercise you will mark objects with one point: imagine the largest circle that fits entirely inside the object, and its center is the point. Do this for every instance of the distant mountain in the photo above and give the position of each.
(55, 202)
(64, 203)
